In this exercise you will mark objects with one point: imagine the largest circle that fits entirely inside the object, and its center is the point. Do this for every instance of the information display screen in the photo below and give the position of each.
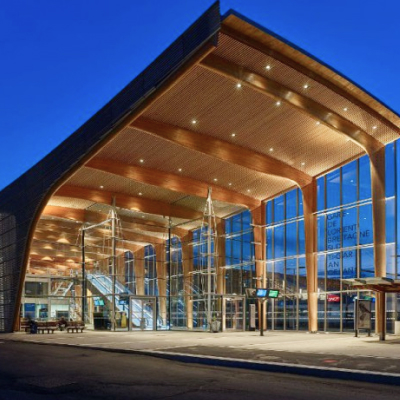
(273, 293)
(262, 293)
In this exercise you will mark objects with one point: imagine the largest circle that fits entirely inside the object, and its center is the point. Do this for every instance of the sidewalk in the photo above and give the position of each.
(334, 355)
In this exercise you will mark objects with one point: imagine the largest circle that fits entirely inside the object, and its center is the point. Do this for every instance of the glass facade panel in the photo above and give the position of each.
(333, 189)
(349, 183)
(365, 178)
(344, 245)
(279, 208)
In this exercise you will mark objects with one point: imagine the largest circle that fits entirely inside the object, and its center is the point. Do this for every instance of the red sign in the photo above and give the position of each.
(333, 298)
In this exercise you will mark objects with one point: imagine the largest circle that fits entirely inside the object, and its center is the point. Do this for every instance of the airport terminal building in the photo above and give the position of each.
(234, 161)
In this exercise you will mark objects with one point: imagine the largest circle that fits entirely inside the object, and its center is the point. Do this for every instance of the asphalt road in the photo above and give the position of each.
(33, 371)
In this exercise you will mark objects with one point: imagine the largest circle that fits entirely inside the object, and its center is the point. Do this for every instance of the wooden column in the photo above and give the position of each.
(377, 163)
(139, 271)
(187, 264)
(310, 207)
(221, 287)
(161, 268)
(258, 216)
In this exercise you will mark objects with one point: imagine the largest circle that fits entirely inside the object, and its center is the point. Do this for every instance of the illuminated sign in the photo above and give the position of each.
(267, 293)
(273, 293)
(333, 298)
(262, 293)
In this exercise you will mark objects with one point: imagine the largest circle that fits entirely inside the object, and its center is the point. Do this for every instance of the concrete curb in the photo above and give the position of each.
(287, 368)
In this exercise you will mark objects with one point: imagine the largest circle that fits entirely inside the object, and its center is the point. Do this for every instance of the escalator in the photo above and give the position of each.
(142, 313)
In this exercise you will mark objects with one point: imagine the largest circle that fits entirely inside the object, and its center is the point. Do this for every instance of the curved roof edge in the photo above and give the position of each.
(279, 44)
(127, 100)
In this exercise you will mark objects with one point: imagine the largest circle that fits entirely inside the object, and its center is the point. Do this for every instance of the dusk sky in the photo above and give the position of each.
(61, 61)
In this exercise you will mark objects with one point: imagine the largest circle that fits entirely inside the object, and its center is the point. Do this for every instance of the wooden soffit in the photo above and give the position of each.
(268, 43)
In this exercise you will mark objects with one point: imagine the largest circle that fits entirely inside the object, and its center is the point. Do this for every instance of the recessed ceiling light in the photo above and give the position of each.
(248, 190)
(180, 169)
(194, 122)
(142, 216)
(215, 179)
(140, 193)
(229, 184)
(317, 123)
(278, 103)
(141, 161)
(101, 187)
(271, 149)
(374, 127)
(345, 109)
(238, 85)
(303, 163)
(267, 67)
(305, 86)
(233, 134)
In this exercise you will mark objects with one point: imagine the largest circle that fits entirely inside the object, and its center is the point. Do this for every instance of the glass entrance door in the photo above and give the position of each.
(143, 313)
(233, 313)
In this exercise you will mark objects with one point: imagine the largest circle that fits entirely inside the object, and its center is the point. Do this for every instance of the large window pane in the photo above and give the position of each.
(367, 263)
(302, 241)
(333, 189)
(269, 213)
(333, 230)
(279, 275)
(390, 261)
(349, 183)
(321, 272)
(321, 193)
(333, 271)
(321, 233)
(365, 178)
(291, 277)
(349, 260)
(270, 232)
(349, 227)
(279, 208)
(389, 175)
(300, 201)
(279, 241)
(291, 239)
(390, 221)
(365, 225)
(291, 204)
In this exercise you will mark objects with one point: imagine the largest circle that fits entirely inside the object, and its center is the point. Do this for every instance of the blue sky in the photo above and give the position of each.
(61, 61)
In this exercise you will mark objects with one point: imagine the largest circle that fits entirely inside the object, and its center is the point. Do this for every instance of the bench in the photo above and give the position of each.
(75, 327)
(46, 326)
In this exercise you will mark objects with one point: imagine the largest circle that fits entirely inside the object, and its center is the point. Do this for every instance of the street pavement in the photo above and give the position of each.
(334, 355)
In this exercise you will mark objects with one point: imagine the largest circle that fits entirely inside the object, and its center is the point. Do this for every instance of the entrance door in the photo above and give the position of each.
(143, 313)
(233, 313)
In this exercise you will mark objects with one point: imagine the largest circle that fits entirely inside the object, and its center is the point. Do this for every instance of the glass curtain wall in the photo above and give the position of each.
(239, 254)
(344, 246)
(176, 285)
(285, 267)
(150, 276)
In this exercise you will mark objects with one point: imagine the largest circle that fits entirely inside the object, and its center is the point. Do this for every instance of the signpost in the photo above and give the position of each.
(262, 294)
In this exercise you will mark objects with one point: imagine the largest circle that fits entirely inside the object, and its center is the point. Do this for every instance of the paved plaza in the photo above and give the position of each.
(337, 355)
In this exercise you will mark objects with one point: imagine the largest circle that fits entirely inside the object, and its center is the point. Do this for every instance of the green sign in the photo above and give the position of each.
(273, 293)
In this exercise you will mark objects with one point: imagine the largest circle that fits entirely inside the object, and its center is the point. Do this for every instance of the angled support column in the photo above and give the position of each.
(310, 207)
(139, 271)
(377, 163)
(187, 264)
(258, 215)
(221, 287)
(161, 268)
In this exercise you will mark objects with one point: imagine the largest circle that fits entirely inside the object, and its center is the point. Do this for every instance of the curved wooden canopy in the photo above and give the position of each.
(276, 150)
